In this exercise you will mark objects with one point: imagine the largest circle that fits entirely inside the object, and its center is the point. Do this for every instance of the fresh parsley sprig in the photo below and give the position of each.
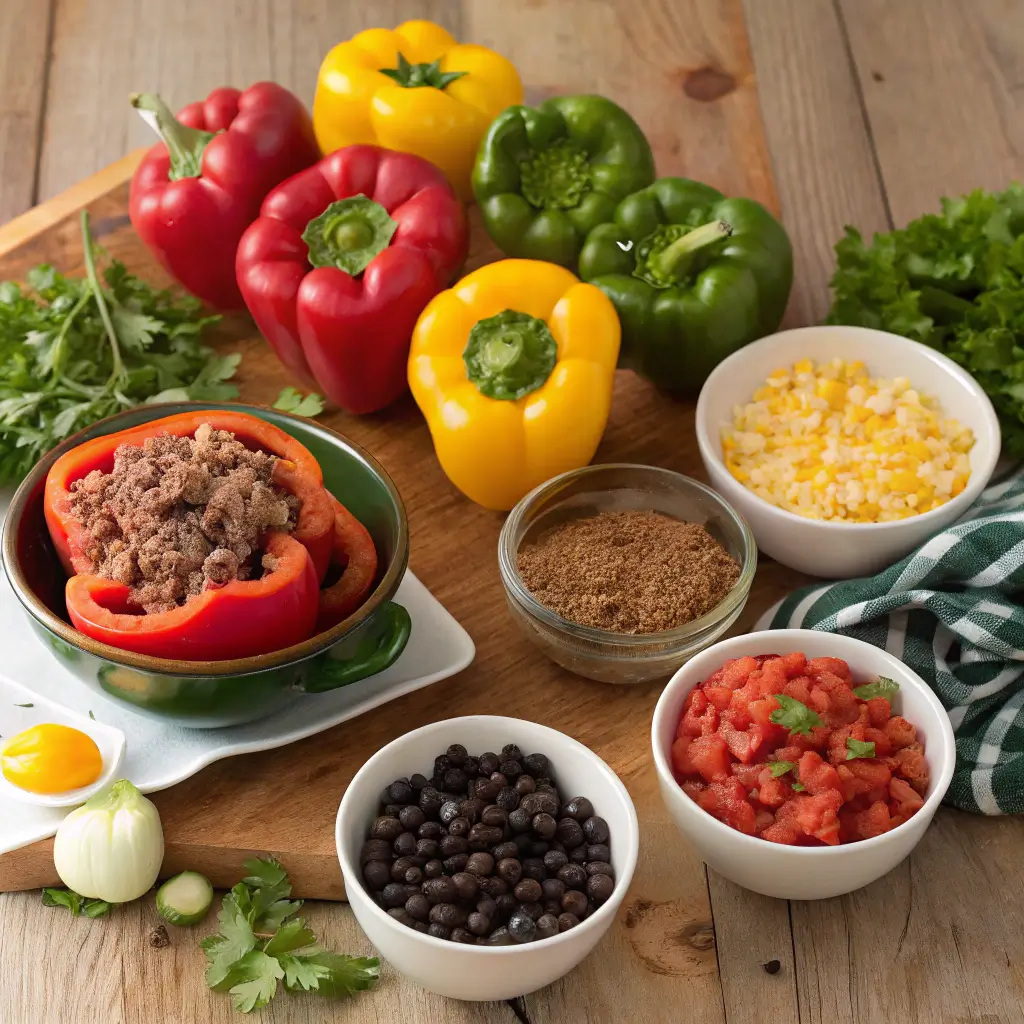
(292, 400)
(794, 715)
(261, 942)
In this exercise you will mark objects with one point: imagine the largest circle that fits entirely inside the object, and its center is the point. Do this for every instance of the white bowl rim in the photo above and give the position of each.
(945, 774)
(606, 910)
(977, 482)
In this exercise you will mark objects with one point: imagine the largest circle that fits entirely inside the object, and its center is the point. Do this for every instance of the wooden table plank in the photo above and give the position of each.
(24, 45)
(941, 82)
(104, 50)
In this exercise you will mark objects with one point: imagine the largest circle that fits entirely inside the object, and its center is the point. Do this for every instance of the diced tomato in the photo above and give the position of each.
(795, 664)
(900, 732)
(744, 744)
(912, 766)
(761, 710)
(733, 807)
(798, 688)
(844, 710)
(879, 711)
(680, 762)
(738, 717)
(866, 824)
(773, 675)
(700, 719)
(774, 792)
(815, 666)
(790, 752)
(735, 673)
(709, 757)
(786, 833)
(862, 775)
(763, 818)
(883, 748)
(819, 701)
(837, 741)
(691, 788)
(817, 775)
(907, 801)
(762, 658)
(719, 696)
(747, 774)
(715, 679)
(816, 815)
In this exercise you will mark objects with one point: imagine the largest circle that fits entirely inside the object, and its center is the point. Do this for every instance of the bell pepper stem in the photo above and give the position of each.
(673, 260)
(349, 234)
(509, 355)
(184, 143)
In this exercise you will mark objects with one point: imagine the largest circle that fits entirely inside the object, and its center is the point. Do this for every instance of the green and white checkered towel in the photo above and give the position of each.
(953, 611)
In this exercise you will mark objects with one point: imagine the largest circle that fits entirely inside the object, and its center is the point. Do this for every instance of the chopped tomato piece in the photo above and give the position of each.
(816, 815)
(879, 711)
(900, 732)
(691, 788)
(774, 792)
(733, 807)
(680, 762)
(748, 774)
(720, 696)
(817, 775)
(799, 688)
(709, 757)
(786, 833)
(912, 766)
(815, 666)
(701, 719)
(763, 818)
(883, 748)
(866, 824)
(907, 800)
(735, 673)
(795, 664)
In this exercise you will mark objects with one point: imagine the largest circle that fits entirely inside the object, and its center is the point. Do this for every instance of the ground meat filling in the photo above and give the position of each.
(179, 514)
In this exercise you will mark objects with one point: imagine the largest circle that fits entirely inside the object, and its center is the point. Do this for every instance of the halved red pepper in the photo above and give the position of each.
(238, 620)
(196, 191)
(297, 471)
(355, 555)
(340, 263)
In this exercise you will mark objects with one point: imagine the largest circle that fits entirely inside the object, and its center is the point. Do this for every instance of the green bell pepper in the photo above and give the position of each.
(694, 276)
(545, 176)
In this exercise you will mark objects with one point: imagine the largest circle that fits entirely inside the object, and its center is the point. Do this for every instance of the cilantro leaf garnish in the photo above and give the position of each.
(779, 768)
(261, 942)
(292, 400)
(75, 903)
(798, 787)
(881, 687)
(794, 715)
(858, 748)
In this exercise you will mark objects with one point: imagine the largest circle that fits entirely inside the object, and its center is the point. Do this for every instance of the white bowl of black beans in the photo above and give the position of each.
(485, 857)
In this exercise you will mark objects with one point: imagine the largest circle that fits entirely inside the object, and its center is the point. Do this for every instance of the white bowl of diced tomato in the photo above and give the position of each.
(801, 764)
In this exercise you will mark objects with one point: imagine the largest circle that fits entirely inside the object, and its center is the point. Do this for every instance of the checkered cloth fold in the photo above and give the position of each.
(953, 611)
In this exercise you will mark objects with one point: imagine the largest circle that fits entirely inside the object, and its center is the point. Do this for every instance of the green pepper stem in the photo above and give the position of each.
(349, 234)
(509, 355)
(673, 260)
(184, 144)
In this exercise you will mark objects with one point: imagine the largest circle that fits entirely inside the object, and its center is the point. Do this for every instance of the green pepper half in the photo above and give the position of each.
(694, 276)
(545, 176)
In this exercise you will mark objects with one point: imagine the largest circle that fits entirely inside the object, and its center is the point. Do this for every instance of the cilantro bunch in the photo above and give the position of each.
(953, 281)
(262, 942)
(74, 350)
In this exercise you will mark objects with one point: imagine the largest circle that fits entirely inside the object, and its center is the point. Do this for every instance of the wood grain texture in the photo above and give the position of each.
(942, 86)
(24, 44)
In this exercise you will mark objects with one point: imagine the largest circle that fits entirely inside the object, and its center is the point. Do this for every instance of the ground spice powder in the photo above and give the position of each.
(628, 572)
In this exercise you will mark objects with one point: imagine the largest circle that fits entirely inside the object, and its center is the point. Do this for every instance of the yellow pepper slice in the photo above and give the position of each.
(381, 87)
(51, 758)
(513, 369)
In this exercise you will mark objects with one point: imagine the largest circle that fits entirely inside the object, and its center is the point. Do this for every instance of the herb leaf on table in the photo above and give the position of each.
(262, 942)
(75, 903)
(292, 400)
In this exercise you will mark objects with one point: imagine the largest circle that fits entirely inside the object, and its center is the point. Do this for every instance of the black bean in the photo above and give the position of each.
(411, 818)
(504, 850)
(600, 887)
(578, 855)
(567, 921)
(429, 830)
(553, 906)
(524, 785)
(399, 868)
(510, 769)
(519, 820)
(499, 780)
(555, 859)
(488, 762)
(421, 926)
(538, 848)
(493, 886)
(506, 904)
(599, 867)
(428, 848)
(533, 867)
(547, 925)
(535, 764)
(471, 767)
(532, 910)
(556, 845)
(573, 876)
(482, 836)
(413, 875)
(462, 935)
(401, 916)
(430, 801)
(433, 868)
(453, 865)
(528, 891)
(375, 849)
(440, 890)
(579, 808)
(541, 802)
(521, 927)
(500, 937)
(470, 810)
(400, 792)
(466, 884)
(456, 780)
(448, 914)
(480, 864)
(553, 889)
(436, 782)
(487, 789)
(377, 874)
(394, 895)
(511, 752)
(388, 829)
(478, 924)
(417, 781)
(596, 830)
(392, 810)
(441, 764)
(543, 782)
(574, 902)
(449, 812)
(494, 815)
(439, 931)
(451, 845)
(569, 833)
(523, 841)
(417, 907)
(458, 826)
(457, 755)
(544, 826)
(510, 869)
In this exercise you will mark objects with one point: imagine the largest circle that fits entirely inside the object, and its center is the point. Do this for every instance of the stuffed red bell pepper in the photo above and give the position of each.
(196, 191)
(355, 557)
(341, 262)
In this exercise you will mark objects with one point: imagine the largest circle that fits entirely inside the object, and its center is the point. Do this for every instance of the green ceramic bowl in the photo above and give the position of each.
(210, 694)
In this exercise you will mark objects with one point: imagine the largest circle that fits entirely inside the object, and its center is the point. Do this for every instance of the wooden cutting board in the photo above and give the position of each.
(284, 801)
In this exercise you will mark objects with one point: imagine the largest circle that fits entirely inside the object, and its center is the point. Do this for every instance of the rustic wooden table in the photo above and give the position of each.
(835, 111)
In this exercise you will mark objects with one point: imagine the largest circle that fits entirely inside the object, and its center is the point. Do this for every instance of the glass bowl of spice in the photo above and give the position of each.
(621, 573)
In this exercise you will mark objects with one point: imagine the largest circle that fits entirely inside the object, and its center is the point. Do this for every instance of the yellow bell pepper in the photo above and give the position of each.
(513, 369)
(413, 89)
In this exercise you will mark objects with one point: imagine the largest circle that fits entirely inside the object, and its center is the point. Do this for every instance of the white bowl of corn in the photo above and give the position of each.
(845, 448)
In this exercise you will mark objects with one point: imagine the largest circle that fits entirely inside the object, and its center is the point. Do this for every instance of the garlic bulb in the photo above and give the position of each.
(111, 848)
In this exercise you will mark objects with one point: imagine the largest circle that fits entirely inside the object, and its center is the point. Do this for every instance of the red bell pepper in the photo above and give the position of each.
(341, 262)
(297, 471)
(196, 191)
(356, 557)
(238, 620)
